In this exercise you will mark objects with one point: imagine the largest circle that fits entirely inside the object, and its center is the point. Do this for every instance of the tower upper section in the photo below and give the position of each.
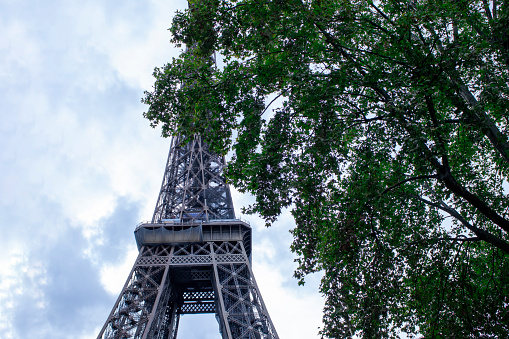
(193, 187)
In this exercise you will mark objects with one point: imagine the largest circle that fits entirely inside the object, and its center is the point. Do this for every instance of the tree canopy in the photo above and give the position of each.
(382, 125)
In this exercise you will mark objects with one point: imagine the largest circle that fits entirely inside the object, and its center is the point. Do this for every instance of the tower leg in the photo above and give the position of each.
(141, 301)
(174, 324)
(242, 311)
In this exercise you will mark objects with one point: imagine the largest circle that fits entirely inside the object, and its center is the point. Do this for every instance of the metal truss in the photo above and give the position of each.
(193, 187)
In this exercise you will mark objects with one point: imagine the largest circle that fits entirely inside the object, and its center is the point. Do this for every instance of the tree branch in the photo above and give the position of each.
(476, 113)
(451, 183)
(487, 10)
(433, 115)
(407, 180)
(460, 238)
(270, 103)
(463, 239)
(451, 121)
(480, 233)
(383, 14)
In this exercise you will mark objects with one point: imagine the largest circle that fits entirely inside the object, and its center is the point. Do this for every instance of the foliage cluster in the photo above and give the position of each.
(383, 126)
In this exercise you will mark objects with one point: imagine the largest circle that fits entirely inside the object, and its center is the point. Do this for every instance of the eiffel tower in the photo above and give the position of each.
(194, 257)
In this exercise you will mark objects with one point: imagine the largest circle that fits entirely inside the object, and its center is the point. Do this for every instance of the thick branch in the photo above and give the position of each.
(487, 10)
(445, 175)
(441, 142)
(481, 119)
(480, 233)
(475, 113)
(451, 183)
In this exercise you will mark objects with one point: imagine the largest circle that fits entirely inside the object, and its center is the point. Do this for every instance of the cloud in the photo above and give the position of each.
(54, 286)
(47, 283)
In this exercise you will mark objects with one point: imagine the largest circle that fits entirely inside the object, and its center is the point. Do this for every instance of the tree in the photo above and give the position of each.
(382, 125)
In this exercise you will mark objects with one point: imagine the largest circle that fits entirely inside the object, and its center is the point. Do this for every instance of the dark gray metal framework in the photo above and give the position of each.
(194, 257)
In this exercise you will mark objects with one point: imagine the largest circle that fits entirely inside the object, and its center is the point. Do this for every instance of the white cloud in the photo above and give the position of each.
(9, 281)
(296, 313)
(113, 277)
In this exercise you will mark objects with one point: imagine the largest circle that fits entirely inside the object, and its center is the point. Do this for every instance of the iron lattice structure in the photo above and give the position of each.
(194, 257)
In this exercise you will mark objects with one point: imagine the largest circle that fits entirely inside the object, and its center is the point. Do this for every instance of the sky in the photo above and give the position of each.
(80, 167)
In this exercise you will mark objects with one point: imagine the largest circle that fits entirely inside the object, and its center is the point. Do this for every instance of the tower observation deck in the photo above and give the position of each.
(194, 257)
